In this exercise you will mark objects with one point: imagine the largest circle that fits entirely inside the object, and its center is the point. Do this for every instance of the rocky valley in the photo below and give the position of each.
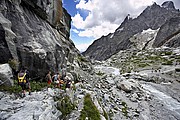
(135, 77)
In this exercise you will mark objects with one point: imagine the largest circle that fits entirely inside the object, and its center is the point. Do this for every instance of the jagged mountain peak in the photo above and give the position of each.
(168, 4)
(153, 17)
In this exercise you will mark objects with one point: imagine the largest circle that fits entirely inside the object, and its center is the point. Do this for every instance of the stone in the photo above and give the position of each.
(6, 76)
(127, 85)
(134, 97)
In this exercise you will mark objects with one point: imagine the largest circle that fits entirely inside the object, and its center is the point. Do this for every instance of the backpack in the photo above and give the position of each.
(55, 78)
(21, 77)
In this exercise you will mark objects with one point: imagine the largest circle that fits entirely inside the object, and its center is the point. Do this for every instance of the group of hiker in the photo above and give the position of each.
(57, 80)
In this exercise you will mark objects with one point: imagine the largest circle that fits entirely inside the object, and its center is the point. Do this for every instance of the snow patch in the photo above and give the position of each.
(149, 31)
(120, 29)
(112, 35)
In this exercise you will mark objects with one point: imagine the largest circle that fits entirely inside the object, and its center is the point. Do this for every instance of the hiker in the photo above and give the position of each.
(28, 84)
(63, 75)
(56, 79)
(23, 81)
(61, 82)
(68, 82)
(48, 78)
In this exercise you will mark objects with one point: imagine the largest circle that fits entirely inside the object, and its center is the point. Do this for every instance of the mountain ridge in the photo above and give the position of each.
(153, 17)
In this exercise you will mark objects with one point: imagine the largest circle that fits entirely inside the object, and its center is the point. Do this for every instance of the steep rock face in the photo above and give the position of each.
(34, 41)
(152, 17)
(144, 40)
(3, 46)
(168, 4)
(169, 34)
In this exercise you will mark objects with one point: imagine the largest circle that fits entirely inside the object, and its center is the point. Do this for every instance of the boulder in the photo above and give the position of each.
(127, 85)
(6, 76)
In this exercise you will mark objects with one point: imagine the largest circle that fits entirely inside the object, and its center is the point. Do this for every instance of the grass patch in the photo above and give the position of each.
(168, 53)
(142, 65)
(65, 106)
(105, 114)
(90, 111)
(124, 109)
(168, 63)
(35, 86)
(100, 73)
(82, 59)
(13, 89)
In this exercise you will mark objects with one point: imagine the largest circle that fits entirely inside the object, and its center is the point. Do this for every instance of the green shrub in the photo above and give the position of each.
(105, 114)
(168, 63)
(38, 86)
(89, 110)
(124, 109)
(65, 106)
(14, 64)
(100, 73)
(35, 86)
(10, 89)
(168, 53)
(142, 65)
(82, 59)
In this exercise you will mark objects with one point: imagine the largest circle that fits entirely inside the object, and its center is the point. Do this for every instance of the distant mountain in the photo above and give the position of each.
(163, 19)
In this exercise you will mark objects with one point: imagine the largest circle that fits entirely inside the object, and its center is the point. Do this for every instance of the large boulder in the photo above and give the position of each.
(127, 85)
(6, 76)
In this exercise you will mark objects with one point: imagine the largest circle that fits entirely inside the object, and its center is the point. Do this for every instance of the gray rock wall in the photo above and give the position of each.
(169, 34)
(32, 40)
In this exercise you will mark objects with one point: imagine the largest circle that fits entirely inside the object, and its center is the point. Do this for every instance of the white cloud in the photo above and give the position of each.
(78, 21)
(97, 31)
(75, 31)
(82, 47)
(104, 16)
(76, 0)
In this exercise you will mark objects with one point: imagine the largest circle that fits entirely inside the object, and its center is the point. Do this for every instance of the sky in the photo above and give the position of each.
(92, 19)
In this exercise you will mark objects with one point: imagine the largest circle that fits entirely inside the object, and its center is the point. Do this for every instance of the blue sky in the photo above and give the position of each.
(81, 42)
(93, 18)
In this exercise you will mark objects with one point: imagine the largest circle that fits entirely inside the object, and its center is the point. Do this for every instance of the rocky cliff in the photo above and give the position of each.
(163, 18)
(35, 34)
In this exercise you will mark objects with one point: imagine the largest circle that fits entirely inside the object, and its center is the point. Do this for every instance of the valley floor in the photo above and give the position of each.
(143, 95)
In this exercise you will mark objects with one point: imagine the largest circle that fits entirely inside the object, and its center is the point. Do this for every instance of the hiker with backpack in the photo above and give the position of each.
(56, 79)
(68, 82)
(23, 81)
(48, 78)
